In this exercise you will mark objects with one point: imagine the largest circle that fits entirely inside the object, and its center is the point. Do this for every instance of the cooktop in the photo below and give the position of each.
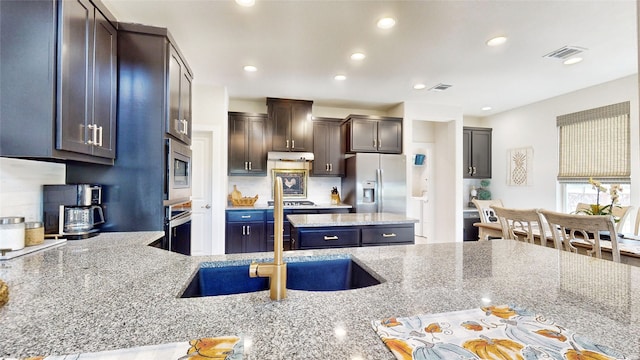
(293, 203)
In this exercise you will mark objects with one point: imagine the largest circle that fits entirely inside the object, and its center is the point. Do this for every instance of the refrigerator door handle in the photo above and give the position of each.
(380, 191)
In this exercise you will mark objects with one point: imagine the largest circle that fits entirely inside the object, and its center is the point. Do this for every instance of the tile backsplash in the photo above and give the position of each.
(21, 186)
(318, 188)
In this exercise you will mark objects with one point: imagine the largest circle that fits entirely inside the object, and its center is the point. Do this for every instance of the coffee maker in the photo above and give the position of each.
(72, 211)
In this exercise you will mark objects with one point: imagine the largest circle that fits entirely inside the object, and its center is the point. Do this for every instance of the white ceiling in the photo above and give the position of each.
(298, 46)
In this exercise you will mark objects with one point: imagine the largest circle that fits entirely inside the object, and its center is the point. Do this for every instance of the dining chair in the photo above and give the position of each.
(521, 224)
(637, 228)
(621, 212)
(487, 214)
(569, 228)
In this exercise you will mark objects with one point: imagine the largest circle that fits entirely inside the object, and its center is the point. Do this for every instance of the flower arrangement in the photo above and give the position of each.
(595, 209)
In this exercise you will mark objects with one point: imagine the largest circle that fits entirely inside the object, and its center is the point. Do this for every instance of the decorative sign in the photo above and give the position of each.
(294, 182)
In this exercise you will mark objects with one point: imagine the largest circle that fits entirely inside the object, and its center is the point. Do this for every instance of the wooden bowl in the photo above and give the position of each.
(244, 201)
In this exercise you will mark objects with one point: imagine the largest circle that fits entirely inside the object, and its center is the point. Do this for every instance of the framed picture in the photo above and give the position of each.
(294, 182)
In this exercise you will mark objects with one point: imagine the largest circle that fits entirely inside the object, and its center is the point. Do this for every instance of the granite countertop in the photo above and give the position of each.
(114, 291)
(351, 219)
(301, 207)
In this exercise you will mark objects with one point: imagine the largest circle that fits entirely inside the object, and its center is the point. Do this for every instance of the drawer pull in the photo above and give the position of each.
(389, 235)
(246, 216)
(327, 238)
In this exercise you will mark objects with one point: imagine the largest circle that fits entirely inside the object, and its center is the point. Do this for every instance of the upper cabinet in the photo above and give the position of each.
(328, 157)
(247, 144)
(179, 120)
(64, 55)
(373, 134)
(290, 124)
(476, 152)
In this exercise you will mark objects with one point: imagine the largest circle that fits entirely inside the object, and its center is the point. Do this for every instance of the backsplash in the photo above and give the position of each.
(318, 188)
(21, 186)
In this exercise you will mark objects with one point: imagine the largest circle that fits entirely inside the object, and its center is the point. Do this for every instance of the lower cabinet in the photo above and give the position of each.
(350, 236)
(245, 232)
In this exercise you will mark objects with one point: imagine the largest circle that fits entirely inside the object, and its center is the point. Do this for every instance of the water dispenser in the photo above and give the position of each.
(368, 192)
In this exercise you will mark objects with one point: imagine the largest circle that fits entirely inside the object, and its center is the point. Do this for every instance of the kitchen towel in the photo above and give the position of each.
(492, 332)
(221, 348)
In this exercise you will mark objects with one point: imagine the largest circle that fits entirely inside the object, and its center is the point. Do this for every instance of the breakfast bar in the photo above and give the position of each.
(115, 291)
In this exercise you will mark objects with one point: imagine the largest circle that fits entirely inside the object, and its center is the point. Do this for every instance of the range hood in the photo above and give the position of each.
(289, 156)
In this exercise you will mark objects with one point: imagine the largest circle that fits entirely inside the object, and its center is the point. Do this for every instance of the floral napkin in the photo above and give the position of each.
(219, 348)
(492, 332)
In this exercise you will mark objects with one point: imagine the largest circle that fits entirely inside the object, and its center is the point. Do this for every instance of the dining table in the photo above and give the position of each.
(628, 244)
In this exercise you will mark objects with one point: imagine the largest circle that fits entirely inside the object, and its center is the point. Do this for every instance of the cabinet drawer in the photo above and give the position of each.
(325, 238)
(386, 235)
(235, 216)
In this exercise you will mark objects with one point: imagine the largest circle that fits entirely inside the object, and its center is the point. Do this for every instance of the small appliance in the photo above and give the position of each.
(72, 211)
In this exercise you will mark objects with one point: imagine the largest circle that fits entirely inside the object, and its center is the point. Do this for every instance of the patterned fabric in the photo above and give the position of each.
(218, 348)
(493, 332)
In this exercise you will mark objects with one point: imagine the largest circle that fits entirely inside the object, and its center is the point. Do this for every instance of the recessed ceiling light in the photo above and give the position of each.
(386, 23)
(246, 3)
(419, 86)
(573, 60)
(487, 108)
(357, 56)
(340, 77)
(498, 40)
(250, 68)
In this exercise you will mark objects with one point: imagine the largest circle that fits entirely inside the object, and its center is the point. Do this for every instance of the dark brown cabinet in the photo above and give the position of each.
(179, 119)
(64, 54)
(372, 134)
(290, 124)
(476, 152)
(247, 144)
(328, 157)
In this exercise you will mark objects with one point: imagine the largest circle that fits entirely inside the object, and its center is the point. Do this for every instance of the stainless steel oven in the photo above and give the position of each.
(178, 177)
(178, 228)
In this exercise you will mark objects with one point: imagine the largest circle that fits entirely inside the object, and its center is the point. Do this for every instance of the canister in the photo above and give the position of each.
(33, 233)
(12, 233)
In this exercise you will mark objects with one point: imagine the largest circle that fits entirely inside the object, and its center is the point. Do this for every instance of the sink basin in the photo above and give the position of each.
(310, 273)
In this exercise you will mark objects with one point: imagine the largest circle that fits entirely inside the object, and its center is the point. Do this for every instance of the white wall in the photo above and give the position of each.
(21, 186)
(535, 125)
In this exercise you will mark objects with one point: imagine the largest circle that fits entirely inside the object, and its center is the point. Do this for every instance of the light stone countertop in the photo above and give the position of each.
(114, 291)
(351, 219)
(297, 207)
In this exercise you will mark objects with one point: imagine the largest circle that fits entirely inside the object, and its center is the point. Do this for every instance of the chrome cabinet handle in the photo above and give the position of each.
(293, 144)
(99, 137)
(249, 165)
(379, 143)
(246, 165)
(246, 216)
(94, 134)
(374, 143)
(287, 146)
(389, 235)
(330, 167)
(469, 171)
(186, 127)
(327, 238)
(244, 230)
(248, 229)
(474, 171)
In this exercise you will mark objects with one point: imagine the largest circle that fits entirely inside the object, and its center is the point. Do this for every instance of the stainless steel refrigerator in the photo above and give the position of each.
(376, 183)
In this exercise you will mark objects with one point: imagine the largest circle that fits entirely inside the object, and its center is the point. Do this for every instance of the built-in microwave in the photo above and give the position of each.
(178, 176)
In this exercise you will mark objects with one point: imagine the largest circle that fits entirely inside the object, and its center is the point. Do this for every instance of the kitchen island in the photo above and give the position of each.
(319, 231)
(114, 291)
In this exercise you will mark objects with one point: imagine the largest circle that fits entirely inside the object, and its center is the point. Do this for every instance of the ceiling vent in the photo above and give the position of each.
(565, 52)
(440, 87)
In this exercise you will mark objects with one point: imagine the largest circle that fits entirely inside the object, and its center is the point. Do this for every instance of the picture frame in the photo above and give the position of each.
(294, 182)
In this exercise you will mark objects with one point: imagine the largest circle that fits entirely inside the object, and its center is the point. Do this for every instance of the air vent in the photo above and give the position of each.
(440, 87)
(565, 52)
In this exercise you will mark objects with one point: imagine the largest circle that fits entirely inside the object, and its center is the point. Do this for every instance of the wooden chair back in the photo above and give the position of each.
(621, 212)
(637, 229)
(487, 214)
(521, 224)
(567, 228)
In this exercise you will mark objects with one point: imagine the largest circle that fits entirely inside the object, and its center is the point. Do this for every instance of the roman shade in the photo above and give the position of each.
(595, 143)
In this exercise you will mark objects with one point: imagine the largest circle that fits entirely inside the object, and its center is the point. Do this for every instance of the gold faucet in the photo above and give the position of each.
(277, 270)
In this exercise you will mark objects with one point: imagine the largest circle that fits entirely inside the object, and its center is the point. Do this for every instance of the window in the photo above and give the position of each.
(595, 143)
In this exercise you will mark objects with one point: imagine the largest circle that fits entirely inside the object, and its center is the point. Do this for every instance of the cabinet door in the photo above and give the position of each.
(105, 85)
(74, 81)
(301, 127)
(280, 118)
(467, 168)
(185, 105)
(233, 238)
(256, 145)
(363, 135)
(481, 154)
(175, 121)
(237, 145)
(390, 136)
(321, 147)
(254, 239)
